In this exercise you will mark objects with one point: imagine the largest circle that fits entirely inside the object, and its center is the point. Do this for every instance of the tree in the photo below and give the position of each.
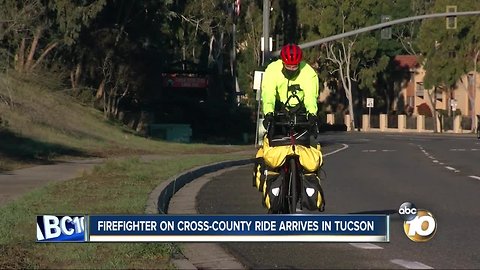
(449, 54)
(407, 33)
(35, 28)
(356, 60)
(14, 19)
(471, 41)
(248, 47)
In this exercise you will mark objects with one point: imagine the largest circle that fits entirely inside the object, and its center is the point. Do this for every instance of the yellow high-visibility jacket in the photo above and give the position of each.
(275, 86)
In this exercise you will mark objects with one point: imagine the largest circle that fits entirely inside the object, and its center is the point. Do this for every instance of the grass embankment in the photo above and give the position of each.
(40, 124)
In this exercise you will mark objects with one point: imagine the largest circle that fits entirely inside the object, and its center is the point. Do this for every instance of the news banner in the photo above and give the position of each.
(213, 228)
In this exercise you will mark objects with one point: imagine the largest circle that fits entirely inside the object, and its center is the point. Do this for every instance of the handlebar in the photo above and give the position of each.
(291, 119)
(292, 122)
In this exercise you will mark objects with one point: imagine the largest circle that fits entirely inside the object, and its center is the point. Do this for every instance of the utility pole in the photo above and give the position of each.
(235, 12)
(265, 47)
(266, 35)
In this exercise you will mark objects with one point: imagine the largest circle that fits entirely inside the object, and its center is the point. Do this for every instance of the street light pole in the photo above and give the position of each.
(379, 26)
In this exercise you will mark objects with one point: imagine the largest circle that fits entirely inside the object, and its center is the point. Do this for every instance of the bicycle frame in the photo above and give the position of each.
(292, 184)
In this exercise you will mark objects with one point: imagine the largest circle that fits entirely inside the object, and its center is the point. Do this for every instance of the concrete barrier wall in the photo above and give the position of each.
(402, 124)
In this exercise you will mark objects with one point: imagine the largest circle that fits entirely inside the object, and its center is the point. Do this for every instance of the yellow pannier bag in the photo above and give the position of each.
(274, 157)
(312, 193)
(310, 158)
(272, 190)
(259, 170)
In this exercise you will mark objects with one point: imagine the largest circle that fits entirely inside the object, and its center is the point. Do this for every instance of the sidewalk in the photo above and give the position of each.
(14, 184)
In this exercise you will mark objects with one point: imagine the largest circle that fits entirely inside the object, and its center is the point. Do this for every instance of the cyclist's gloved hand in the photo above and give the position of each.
(267, 120)
(312, 119)
(313, 122)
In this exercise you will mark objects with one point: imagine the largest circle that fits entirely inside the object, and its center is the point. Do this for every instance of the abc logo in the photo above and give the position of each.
(55, 226)
(419, 224)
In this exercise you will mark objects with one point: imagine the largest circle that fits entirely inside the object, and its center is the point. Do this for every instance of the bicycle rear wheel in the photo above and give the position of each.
(292, 198)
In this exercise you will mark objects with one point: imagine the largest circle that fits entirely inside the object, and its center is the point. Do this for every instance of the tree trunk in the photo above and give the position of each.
(449, 99)
(45, 52)
(342, 61)
(33, 48)
(29, 64)
(111, 101)
(474, 91)
(75, 77)
(433, 103)
(20, 57)
(104, 105)
(117, 101)
(100, 90)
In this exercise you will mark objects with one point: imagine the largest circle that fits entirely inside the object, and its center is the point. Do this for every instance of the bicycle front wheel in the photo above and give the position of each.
(292, 202)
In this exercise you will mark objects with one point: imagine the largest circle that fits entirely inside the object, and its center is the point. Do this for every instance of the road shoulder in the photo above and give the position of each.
(201, 255)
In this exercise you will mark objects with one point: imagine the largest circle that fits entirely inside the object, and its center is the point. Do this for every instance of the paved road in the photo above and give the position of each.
(375, 174)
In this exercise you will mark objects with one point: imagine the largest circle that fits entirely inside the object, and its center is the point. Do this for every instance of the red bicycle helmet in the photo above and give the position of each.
(291, 54)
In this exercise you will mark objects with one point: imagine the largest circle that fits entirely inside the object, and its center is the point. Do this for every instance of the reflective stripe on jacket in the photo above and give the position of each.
(275, 85)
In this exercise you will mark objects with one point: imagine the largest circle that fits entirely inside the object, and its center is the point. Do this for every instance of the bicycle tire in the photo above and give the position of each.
(292, 200)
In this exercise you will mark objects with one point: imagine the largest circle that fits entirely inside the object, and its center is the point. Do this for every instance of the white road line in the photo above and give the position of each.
(336, 151)
(388, 150)
(365, 246)
(441, 163)
(474, 177)
(411, 265)
(435, 161)
(452, 169)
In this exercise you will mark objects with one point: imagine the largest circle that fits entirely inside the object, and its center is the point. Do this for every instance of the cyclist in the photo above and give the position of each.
(289, 87)
(289, 83)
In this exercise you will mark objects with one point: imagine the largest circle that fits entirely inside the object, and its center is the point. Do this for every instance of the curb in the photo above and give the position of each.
(159, 199)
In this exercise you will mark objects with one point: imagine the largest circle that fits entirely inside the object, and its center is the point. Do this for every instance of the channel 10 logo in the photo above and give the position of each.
(419, 225)
(60, 228)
